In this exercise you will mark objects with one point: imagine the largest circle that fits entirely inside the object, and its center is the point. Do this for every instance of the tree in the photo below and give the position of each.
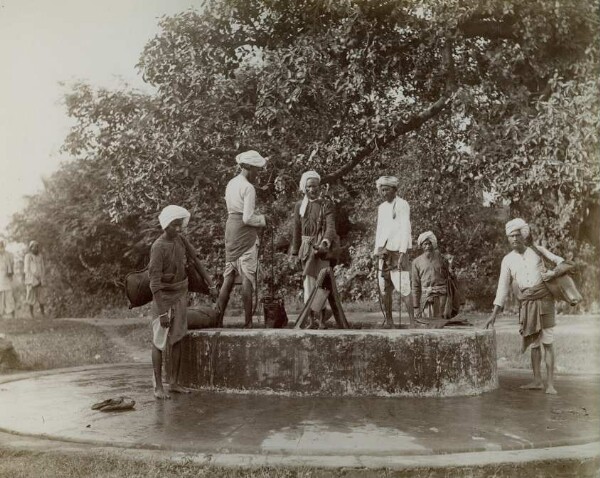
(465, 95)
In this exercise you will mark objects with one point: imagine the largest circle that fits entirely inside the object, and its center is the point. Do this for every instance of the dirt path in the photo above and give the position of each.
(113, 329)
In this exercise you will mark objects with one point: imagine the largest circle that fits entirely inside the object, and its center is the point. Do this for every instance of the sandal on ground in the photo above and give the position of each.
(114, 404)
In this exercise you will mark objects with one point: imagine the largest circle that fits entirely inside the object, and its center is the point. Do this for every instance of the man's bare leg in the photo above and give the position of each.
(175, 367)
(223, 298)
(321, 319)
(31, 311)
(409, 307)
(387, 305)
(247, 290)
(549, 359)
(159, 392)
(42, 310)
(536, 365)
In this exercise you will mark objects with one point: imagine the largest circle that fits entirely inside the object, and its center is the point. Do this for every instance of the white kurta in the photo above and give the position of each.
(34, 269)
(240, 197)
(393, 226)
(6, 268)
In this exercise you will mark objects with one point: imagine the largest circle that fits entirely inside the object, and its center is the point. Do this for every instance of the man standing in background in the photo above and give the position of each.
(7, 299)
(34, 270)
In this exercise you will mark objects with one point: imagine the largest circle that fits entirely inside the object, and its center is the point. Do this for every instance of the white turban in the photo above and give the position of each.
(251, 158)
(305, 177)
(303, 180)
(33, 243)
(171, 213)
(427, 236)
(392, 181)
(518, 224)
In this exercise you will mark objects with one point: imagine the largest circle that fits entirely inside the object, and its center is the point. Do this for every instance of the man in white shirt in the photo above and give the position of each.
(524, 268)
(241, 234)
(7, 298)
(392, 241)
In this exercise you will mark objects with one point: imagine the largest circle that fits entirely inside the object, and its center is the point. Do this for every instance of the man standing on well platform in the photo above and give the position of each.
(241, 234)
(392, 241)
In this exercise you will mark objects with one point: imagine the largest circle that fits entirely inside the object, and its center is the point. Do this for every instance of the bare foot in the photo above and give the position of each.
(160, 394)
(179, 389)
(322, 326)
(248, 325)
(532, 386)
(550, 390)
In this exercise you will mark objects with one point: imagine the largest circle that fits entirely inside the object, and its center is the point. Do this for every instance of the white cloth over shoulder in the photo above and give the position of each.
(172, 213)
(393, 226)
(240, 197)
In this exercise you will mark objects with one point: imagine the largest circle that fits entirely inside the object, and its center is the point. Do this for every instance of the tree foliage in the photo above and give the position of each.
(456, 97)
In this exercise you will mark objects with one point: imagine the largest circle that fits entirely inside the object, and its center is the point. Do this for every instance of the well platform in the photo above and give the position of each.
(368, 362)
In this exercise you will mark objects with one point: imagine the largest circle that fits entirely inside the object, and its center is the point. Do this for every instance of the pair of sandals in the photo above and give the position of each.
(114, 404)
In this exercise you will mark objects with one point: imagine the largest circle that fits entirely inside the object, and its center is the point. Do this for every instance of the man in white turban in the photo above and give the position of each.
(524, 267)
(169, 286)
(392, 242)
(172, 212)
(314, 236)
(430, 274)
(241, 234)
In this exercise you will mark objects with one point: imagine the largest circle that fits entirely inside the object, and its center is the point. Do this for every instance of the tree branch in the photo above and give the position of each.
(402, 128)
(490, 29)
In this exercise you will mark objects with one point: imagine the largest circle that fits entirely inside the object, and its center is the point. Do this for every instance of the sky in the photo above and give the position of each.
(44, 43)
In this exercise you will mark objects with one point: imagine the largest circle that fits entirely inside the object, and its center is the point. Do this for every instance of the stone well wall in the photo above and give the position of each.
(426, 363)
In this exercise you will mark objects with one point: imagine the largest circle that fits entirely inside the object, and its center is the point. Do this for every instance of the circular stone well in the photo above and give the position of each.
(402, 363)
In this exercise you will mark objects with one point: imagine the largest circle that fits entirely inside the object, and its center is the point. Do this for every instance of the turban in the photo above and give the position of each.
(305, 177)
(427, 236)
(518, 224)
(171, 213)
(33, 243)
(392, 181)
(251, 158)
(303, 180)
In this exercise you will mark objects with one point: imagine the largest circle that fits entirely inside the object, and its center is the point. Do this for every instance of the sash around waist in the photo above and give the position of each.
(239, 237)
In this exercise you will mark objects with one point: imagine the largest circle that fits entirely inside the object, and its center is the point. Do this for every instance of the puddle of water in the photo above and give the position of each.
(315, 437)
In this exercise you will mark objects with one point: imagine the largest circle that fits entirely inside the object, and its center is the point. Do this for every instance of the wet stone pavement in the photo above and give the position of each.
(59, 406)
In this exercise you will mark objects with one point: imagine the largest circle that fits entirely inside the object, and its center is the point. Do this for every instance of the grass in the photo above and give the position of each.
(138, 335)
(25, 464)
(50, 343)
(575, 352)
